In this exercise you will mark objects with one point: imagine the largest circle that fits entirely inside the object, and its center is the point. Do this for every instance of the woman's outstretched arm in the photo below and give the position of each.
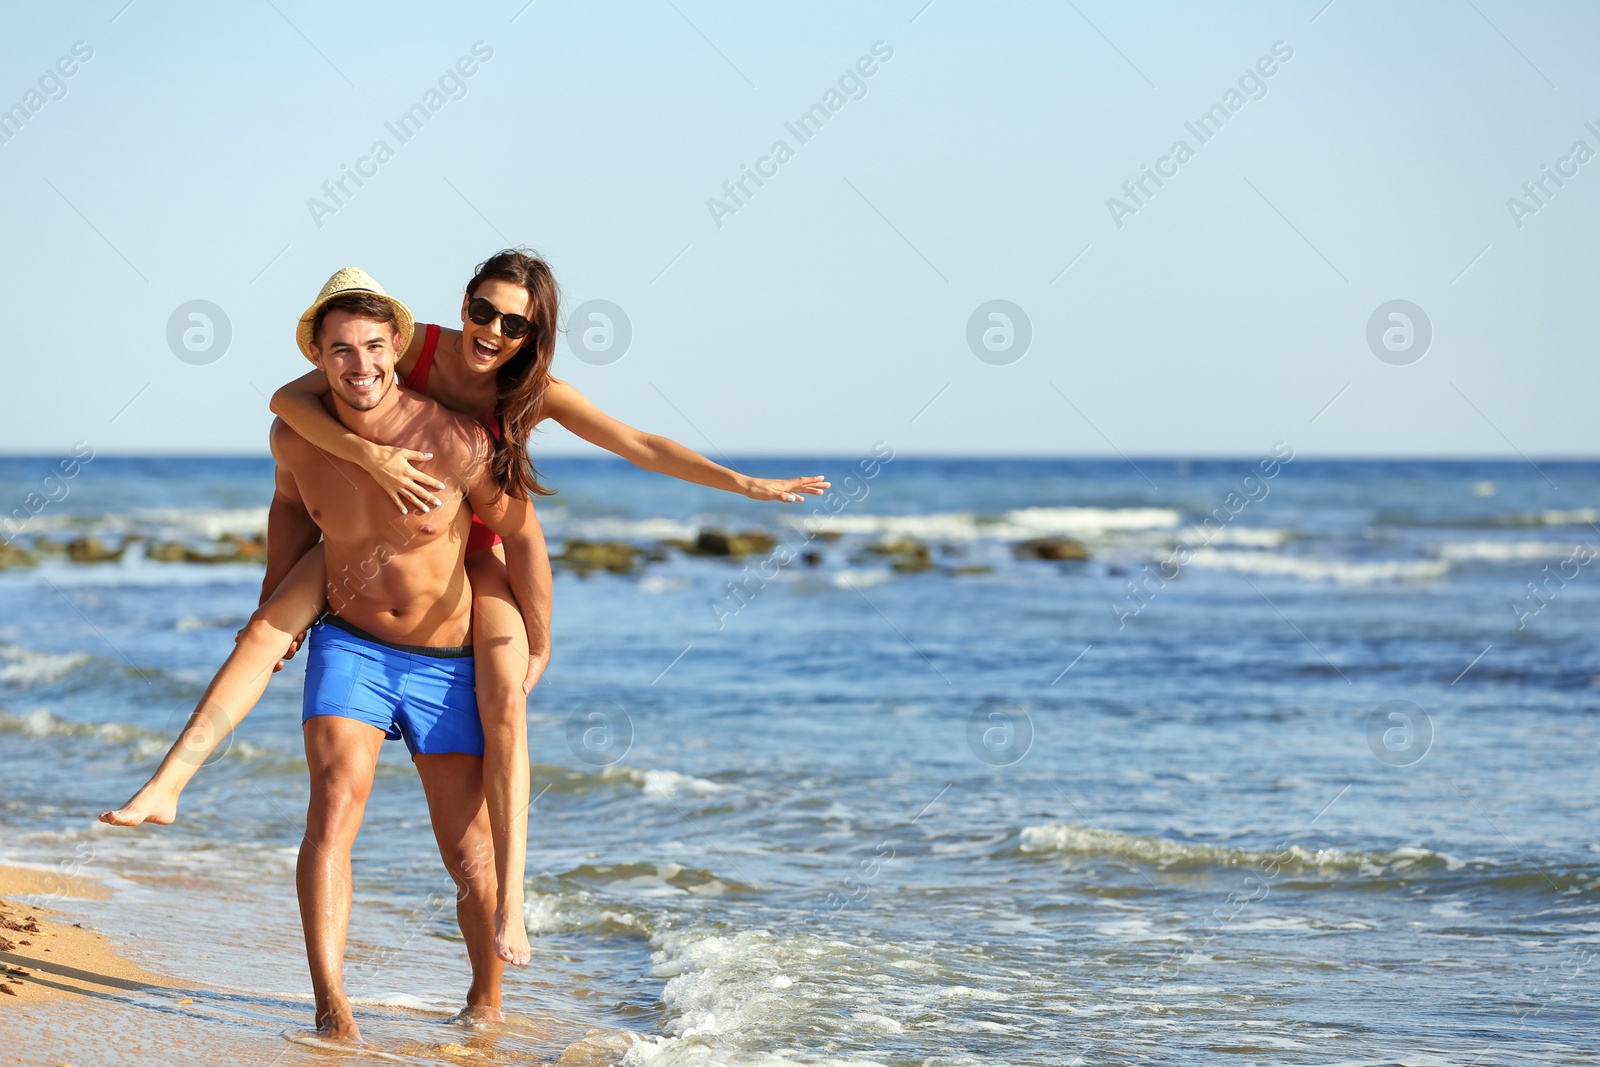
(300, 404)
(576, 412)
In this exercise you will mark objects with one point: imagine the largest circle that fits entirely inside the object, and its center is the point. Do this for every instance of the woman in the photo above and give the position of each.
(497, 368)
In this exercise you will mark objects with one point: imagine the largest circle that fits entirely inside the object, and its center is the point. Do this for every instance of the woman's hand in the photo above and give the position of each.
(788, 490)
(411, 490)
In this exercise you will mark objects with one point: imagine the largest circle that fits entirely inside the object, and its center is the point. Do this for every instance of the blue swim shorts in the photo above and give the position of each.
(421, 695)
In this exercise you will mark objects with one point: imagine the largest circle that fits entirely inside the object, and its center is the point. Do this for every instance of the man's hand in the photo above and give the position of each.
(537, 662)
(788, 490)
(294, 646)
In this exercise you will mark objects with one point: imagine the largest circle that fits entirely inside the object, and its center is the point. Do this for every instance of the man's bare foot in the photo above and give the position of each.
(511, 934)
(339, 1024)
(150, 804)
(480, 1013)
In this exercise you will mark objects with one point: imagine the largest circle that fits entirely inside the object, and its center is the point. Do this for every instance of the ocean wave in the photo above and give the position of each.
(1245, 536)
(1376, 870)
(1345, 572)
(732, 996)
(26, 667)
(615, 529)
(1508, 551)
(192, 623)
(139, 742)
(202, 524)
(726, 992)
(860, 578)
(1092, 520)
(1016, 525)
(1557, 517)
(1075, 839)
(661, 784)
(41, 723)
(654, 783)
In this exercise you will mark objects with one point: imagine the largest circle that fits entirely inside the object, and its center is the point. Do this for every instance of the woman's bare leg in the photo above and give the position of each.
(293, 606)
(500, 660)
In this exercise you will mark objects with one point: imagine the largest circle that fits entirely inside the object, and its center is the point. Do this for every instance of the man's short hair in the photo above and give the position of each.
(361, 305)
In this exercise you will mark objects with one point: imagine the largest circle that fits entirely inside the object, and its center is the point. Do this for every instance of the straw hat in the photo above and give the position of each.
(353, 280)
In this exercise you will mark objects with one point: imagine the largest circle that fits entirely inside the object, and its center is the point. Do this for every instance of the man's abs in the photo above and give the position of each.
(415, 598)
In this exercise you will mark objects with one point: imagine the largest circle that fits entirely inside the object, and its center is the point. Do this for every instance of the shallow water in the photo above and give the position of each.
(1018, 815)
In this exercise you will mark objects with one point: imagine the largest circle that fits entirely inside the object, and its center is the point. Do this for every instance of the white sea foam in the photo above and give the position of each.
(662, 784)
(1575, 517)
(1074, 839)
(28, 667)
(1508, 550)
(191, 623)
(1244, 536)
(1090, 521)
(656, 584)
(1345, 572)
(615, 529)
(860, 579)
(725, 991)
(40, 723)
(208, 524)
(1011, 526)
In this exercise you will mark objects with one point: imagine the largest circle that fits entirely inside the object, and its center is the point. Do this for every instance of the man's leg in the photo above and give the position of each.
(342, 755)
(500, 656)
(234, 690)
(454, 784)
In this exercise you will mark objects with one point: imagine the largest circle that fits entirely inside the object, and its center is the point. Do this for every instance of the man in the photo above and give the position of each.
(393, 658)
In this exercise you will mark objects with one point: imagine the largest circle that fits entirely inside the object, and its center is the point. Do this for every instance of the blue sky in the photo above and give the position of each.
(831, 308)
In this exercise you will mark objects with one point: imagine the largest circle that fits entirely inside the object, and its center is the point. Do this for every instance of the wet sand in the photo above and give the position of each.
(67, 996)
(45, 955)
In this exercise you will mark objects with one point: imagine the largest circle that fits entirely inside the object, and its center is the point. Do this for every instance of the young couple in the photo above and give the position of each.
(402, 539)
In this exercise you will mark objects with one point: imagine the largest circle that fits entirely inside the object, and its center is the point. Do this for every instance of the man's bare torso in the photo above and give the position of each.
(399, 577)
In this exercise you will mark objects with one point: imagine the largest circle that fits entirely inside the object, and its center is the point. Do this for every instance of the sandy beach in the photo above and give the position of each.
(45, 955)
(68, 996)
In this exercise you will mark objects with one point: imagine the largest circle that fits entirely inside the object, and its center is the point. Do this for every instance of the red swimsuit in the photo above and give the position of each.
(479, 537)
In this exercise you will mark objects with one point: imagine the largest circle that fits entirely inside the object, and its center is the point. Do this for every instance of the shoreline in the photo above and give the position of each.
(45, 957)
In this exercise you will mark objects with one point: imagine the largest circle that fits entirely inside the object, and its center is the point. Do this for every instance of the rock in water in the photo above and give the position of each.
(614, 556)
(1052, 548)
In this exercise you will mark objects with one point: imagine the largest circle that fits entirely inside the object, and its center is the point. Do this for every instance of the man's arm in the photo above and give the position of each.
(527, 558)
(291, 533)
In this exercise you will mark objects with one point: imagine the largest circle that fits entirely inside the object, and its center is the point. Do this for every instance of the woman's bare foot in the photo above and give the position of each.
(150, 804)
(511, 934)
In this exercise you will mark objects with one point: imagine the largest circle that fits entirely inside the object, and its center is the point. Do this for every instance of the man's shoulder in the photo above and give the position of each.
(281, 436)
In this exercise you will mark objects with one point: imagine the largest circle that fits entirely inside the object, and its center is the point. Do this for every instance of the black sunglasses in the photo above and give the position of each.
(483, 313)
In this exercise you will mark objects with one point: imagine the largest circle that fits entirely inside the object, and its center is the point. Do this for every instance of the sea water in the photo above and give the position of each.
(1295, 767)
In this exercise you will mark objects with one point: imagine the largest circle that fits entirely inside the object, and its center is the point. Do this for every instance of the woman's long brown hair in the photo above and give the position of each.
(521, 383)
